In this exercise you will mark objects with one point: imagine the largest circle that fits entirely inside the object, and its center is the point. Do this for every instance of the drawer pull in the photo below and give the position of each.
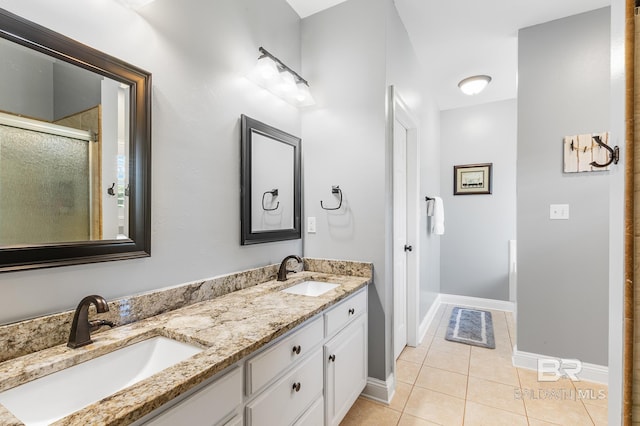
(296, 387)
(352, 311)
(297, 349)
(332, 358)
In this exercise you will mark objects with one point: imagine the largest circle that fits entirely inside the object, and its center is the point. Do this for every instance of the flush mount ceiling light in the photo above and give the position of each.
(474, 85)
(272, 74)
(134, 4)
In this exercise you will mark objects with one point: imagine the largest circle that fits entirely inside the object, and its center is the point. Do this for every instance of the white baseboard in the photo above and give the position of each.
(452, 299)
(590, 372)
(477, 302)
(380, 390)
(428, 319)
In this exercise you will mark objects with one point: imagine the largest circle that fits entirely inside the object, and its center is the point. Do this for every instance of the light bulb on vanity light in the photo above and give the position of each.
(265, 71)
(474, 85)
(303, 95)
(286, 85)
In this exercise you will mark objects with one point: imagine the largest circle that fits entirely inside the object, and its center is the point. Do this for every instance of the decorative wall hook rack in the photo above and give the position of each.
(335, 189)
(613, 152)
(274, 193)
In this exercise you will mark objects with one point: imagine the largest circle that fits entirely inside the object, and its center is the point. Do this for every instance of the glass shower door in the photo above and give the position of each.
(44, 188)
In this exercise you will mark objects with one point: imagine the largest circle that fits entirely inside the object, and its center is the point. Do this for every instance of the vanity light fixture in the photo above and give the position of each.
(474, 85)
(272, 74)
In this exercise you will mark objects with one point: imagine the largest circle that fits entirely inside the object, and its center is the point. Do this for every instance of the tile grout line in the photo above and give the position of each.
(583, 404)
(526, 412)
(466, 391)
(524, 405)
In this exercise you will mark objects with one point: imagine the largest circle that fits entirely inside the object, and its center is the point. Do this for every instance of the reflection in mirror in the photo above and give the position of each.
(74, 151)
(63, 143)
(272, 177)
(271, 183)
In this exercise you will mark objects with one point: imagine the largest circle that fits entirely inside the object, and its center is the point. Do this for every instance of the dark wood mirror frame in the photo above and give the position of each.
(248, 125)
(36, 37)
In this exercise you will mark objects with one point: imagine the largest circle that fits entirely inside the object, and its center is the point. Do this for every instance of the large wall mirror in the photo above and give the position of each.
(75, 148)
(271, 183)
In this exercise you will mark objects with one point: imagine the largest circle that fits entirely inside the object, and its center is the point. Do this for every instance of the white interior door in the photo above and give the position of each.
(400, 243)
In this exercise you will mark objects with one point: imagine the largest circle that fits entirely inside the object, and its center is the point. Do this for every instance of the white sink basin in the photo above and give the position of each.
(47, 399)
(310, 288)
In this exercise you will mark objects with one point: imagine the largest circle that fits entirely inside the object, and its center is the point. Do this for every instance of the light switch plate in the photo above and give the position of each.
(559, 212)
(311, 225)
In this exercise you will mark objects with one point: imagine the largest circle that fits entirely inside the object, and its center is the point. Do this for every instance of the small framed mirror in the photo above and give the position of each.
(270, 183)
(75, 146)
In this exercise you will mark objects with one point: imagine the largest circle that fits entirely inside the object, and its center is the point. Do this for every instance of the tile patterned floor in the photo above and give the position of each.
(447, 383)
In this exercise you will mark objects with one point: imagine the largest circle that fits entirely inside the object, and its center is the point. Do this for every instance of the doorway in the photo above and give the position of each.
(405, 224)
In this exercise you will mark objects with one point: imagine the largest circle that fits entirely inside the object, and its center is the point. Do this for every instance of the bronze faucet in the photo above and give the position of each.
(282, 272)
(81, 327)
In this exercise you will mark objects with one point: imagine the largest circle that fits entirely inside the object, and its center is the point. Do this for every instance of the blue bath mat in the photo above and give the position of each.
(471, 326)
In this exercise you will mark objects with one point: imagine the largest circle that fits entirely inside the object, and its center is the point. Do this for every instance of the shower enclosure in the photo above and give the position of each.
(45, 183)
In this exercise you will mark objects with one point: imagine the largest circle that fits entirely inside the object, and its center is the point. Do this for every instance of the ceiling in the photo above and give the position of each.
(459, 38)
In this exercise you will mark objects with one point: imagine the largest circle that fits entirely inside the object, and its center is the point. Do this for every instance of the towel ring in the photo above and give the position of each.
(274, 193)
(335, 189)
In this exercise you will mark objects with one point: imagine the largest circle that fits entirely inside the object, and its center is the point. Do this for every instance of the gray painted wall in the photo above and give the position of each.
(26, 86)
(474, 259)
(345, 144)
(39, 87)
(74, 89)
(563, 266)
(199, 53)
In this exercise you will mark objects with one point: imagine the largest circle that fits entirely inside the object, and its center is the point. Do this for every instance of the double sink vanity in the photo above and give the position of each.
(270, 353)
(256, 347)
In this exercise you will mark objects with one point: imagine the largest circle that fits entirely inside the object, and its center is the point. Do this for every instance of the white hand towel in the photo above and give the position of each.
(437, 221)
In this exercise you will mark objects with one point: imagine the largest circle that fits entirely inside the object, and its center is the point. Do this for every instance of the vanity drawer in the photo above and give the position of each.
(314, 416)
(264, 367)
(345, 312)
(287, 399)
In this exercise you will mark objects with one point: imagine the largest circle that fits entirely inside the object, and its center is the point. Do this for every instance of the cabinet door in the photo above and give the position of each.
(345, 358)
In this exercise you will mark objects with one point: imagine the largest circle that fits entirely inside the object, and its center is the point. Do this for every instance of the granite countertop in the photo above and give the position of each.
(229, 327)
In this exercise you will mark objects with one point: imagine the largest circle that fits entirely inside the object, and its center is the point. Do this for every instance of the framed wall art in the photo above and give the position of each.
(471, 179)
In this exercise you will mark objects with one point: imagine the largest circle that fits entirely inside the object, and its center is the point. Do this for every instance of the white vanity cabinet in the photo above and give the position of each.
(345, 357)
(314, 416)
(287, 399)
(318, 389)
(215, 404)
(287, 377)
(311, 376)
